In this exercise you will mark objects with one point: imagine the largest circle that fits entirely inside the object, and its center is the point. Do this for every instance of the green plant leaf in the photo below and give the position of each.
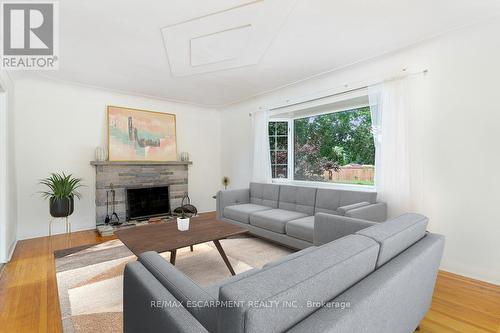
(60, 185)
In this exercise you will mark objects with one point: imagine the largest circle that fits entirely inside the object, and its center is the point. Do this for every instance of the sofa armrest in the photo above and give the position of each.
(344, 209)
(149, 307)
(231, 197)
(328, 227)
(374, 212)
(181, 287)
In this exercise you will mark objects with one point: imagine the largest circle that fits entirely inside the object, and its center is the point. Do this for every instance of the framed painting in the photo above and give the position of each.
(140, 135)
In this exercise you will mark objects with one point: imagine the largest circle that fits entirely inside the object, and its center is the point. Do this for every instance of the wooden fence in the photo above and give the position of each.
(351, 173)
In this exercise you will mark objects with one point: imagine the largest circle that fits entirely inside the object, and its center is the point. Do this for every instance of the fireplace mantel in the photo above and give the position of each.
(96, 163)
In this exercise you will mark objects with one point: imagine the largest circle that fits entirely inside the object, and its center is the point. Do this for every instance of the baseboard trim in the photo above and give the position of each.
(11, 250)
(73, 230)
(470, 280)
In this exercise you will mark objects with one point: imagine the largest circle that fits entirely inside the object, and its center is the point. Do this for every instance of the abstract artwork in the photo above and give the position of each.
(139, 135)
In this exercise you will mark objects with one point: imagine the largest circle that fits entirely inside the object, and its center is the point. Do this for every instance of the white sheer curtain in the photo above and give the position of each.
(261, 161)
(390, 109)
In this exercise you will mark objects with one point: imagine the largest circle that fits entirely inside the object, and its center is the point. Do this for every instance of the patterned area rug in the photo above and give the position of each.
(90, 278)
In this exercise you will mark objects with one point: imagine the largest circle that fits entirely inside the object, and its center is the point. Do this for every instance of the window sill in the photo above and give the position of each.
(337, 186)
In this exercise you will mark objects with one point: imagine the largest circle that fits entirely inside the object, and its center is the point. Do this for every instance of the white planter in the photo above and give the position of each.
(183, 224)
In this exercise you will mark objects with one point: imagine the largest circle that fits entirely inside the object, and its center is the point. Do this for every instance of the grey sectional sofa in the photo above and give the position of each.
(379, 279)
(285, 213)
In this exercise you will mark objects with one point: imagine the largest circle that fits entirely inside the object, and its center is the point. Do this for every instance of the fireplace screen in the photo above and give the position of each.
(143, 202)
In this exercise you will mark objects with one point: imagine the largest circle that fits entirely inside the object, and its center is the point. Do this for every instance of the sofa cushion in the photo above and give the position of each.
(352, 197)
(241, 213)
(396, 235)
(274, 219)
(301, 228)
(297, 198)
(213, 289)
(264, 194)
(289, 257)
(327, 201)
(344, 209)
(316, 276)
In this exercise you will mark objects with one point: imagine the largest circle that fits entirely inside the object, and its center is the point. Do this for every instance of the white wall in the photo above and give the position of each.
(58, 126)
(8, 208)
(457, 131)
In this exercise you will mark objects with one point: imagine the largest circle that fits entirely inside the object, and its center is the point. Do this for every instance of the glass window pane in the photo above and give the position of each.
(273, 157)
(281, 171)
(337, 147)
(281, 128)
(281, 157)
(272, 128)
(272, 142)
(282, 142)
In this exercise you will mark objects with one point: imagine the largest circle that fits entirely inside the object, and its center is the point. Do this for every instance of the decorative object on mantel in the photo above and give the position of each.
(61, 192)
(140, 135)
(101, 154)
(184, 156)
(225, 182)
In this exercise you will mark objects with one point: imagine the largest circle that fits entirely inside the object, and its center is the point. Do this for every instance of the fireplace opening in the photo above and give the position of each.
(146, 202)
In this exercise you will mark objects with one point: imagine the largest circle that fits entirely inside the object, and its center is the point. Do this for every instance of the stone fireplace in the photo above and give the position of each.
(122, 175)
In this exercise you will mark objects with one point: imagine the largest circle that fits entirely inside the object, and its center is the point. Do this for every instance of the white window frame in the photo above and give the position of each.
(289, 147)
(291, 162)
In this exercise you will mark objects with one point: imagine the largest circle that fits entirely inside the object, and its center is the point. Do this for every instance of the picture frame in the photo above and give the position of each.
(141, 135)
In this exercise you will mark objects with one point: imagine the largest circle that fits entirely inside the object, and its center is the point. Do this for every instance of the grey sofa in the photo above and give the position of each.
(285, 213)
(379, 279)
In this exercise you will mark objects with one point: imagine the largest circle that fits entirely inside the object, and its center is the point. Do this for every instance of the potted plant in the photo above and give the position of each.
(183, 221)
(62, 189)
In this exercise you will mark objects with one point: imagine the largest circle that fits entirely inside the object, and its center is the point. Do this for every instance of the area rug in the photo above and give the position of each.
(90, 278)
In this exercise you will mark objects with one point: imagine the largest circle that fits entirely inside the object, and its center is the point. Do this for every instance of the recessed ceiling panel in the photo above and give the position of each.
(220, 46)
(231, 38)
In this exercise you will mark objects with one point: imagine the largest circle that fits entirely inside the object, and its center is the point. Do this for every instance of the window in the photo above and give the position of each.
(278, 143)
(335, 147)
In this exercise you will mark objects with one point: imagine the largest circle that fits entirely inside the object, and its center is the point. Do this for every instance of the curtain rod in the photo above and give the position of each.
(364, 86)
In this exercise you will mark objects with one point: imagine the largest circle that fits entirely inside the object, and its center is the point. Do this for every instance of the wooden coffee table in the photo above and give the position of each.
(163, 237)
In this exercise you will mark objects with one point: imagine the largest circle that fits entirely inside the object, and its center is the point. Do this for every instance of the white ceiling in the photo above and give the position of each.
(221, 51)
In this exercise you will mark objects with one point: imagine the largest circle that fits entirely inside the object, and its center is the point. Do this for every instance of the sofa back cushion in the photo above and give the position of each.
(352, 197)
(264, 194)
(297, 198)
(327, 201)
(276, 298)
(396, 235)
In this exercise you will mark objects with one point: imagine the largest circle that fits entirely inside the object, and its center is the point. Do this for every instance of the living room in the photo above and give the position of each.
(320, 166)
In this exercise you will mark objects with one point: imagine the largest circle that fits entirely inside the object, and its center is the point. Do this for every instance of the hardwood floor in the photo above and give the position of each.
(29, 300)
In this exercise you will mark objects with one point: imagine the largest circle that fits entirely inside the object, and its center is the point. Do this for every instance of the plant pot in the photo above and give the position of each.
(183, 224)
(61, 207)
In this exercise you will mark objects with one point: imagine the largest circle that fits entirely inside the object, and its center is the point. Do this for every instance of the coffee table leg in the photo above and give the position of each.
(191, 247)
(172, 256)
(223, 255)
